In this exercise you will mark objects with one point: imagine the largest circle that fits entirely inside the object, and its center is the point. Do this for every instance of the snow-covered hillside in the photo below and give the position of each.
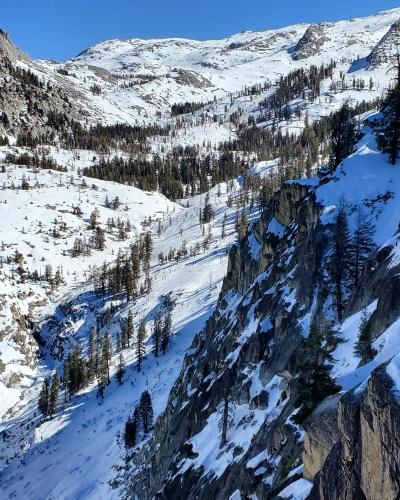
(182, 70)
(83, 431)
(40, 223)
(137, 81)
(278, 284)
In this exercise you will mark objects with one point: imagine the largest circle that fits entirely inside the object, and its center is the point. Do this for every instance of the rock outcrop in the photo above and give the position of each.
(311, 42)
(365, 461)
(251, 351)
(248, 348)
(387, 48)
(29, 93)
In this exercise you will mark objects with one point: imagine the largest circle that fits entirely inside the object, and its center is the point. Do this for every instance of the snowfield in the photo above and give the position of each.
(84, 436)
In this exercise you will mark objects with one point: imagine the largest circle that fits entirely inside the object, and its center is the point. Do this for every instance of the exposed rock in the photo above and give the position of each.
(386, 48)
(321, 433)
(311, 42)
(365, 462)
(293, 260)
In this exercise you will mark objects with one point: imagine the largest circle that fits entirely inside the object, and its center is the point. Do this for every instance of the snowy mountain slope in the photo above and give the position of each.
(182, 70)
(137, 81)
(276, 280)
(83, 431)
(29, 218)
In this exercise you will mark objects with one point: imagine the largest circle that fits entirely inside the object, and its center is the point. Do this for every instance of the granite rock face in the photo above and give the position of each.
(311, 42)
(251, 347)
(387, 48)
(248, 348)
(365, 461)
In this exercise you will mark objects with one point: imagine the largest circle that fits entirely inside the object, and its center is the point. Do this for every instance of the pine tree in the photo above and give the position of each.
(361, 246)
(75, 371)
(140, 348)
(107, 353)
(131, 429)
(100, 238)
(343, 135)
(130, 332)
(146, 411)
(223, 230)
(157, 332)
(92, 361)
(121, 369)
(66, 380)
(166, 332)
(148, 248)
(94, 217)
(389, 132)
(207, 213)
(363, 348)
(53, 394)
(340, 261)
(102, 377)
(44, 397)
(314, 382)
(330, 336)
(241, 223)
(226, 410)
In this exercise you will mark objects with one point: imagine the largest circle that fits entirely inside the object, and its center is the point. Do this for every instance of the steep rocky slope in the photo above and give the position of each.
(277, 285)
(28, 92)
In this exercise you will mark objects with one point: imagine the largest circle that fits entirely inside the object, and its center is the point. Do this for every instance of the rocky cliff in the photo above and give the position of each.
(251, 351)
(247, 349)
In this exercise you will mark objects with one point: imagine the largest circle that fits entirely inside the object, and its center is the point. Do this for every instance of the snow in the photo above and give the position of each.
(393, 370)
(258, 459)
(299, 490)
(276, 228)
(210, 457)
(85, 437)
(141, 79)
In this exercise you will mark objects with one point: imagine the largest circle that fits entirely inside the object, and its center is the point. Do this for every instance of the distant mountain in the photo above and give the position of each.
(137, 81)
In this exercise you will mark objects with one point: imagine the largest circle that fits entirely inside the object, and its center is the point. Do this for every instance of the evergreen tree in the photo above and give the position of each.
(148, 248)
(226, 410)
(53, 394)
(313, 383)
(363, 348)
(106, 354)
(100, 238)
(121, 369)
(241, 224)
(44, 397)
(340, 261)
(343, 135)
(207, 213)
(166, 332)
(361, 246)
(66, 380)
(389, 132)
(157, 332)
(102, 377)
(223, 231)
(146, 411)
(92, 355)
(140, 348)
(75, 372)
(131, 429)
(330, 336)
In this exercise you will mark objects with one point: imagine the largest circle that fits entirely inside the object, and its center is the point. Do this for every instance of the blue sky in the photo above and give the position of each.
(59, 29)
